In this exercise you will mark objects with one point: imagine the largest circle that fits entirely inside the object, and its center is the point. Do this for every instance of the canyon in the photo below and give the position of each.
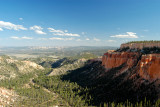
(146, 65)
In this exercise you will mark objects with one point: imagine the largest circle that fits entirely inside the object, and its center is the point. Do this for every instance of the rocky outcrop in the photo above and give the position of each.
(7, 97)
(115, 59)
(140, 45)
(150, 66)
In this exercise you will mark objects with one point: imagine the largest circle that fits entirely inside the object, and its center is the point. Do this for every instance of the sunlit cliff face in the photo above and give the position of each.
(150, 66)
(115, 59)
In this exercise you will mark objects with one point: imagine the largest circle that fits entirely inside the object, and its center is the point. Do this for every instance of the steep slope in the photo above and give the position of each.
(67, 66)
(115, 59)
(125, 74)
(10, 68)
(113, 85)
(150, 66)
(7, 97)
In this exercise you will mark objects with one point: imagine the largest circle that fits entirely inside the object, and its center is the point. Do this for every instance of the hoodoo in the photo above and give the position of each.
(142, 55)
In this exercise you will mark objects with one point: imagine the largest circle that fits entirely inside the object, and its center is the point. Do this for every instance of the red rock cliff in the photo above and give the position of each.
(115, 59)
(150, 66)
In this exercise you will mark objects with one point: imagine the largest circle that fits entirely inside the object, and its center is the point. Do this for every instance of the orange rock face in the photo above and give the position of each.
(115, 59)
(150, 66)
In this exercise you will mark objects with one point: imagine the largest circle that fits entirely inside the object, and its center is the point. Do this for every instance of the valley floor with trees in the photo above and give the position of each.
(75, 88)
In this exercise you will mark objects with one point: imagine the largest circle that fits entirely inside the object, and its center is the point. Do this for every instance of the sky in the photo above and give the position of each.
(78, 22)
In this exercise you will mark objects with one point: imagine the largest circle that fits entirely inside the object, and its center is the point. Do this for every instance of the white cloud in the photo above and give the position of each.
(15, 37)
(128, 35)
(38, 30)
(66, 34)
(1, 29)
(111, 40)
(65, 39)
(87, 39)
(20, 18)
(62, 33)
(55, 38)
(11, 26)
(24, 37)
(95, 39)
(55, 31)
(65, 30)
(18, 38)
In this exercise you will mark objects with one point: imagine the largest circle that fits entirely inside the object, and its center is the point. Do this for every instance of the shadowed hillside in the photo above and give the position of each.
(112, 85)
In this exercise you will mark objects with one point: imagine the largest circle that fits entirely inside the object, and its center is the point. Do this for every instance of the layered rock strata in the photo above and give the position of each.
(148, 65)
(115, 59)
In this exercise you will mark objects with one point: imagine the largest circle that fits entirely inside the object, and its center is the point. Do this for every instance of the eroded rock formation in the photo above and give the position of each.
(147, 65)
(115, 59)
(150, 66)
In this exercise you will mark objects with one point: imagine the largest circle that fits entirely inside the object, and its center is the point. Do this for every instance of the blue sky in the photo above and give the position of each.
(78, 22)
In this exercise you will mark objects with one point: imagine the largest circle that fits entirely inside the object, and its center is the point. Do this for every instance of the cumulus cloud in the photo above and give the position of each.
(18, 38)
(55, 31)
(11, 26)
(38, 30)
(128, 35)
(95, 39)
(65, 39)
(62, 33)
